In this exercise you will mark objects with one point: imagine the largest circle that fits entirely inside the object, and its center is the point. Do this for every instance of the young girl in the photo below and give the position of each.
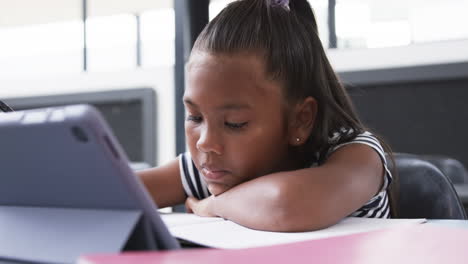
(274, 142)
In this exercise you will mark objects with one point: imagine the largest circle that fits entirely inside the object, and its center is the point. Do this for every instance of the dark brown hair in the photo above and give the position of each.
(286, 38)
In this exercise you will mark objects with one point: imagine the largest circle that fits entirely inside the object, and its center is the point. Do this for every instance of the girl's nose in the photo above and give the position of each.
(209, 141)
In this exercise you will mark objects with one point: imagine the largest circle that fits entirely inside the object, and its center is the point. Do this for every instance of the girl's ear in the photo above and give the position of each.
(302, 122)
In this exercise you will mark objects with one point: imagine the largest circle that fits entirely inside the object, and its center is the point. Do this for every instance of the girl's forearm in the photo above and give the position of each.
(255, 204)
(283, 202)
(266, 203)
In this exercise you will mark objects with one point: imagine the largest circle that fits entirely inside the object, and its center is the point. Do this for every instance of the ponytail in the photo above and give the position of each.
(303, 9)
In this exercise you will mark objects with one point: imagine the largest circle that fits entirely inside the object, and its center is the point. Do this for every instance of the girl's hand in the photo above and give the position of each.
(200, 207)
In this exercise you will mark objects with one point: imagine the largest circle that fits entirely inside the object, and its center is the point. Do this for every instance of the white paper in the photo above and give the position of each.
(183, 219)
(220, 233)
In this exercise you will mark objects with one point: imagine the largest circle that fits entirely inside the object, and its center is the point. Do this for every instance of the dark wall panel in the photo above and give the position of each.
(130, 113)
(425, 117)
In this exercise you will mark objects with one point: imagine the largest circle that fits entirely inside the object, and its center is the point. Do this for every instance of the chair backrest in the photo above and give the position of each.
(424, 191)
(451, 167)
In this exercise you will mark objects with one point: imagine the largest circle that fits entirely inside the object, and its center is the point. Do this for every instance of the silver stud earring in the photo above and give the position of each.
(298, 139)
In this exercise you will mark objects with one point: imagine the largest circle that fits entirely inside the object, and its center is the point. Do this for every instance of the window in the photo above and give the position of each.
(111, 42)
(34, 44)
(48, 36)
(126, 34)
(158, 37)
(379, 23)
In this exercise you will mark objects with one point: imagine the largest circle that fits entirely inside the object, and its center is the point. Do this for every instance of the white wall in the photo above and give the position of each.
(413, 55)
(161, 79)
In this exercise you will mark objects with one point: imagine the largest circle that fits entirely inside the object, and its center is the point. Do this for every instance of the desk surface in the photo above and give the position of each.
(448, 223)
(445, 223)
(421, 244)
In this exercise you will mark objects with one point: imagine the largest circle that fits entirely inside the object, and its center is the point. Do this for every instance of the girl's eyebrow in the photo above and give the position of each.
(234, 106)
(229, 106)
(187, 101)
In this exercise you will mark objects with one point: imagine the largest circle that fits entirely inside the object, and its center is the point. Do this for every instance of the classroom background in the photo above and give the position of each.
(404, 63)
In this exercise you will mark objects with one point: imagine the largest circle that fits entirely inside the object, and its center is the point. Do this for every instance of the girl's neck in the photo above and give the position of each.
(295, 160)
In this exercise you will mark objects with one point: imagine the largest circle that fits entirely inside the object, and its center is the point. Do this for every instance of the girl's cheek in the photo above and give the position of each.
(189, 129)
(191, 133)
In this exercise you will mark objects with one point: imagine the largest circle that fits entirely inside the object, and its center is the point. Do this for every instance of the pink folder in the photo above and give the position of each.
(423, 244)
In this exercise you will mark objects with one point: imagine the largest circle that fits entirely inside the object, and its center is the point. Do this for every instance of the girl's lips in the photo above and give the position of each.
(214, 175)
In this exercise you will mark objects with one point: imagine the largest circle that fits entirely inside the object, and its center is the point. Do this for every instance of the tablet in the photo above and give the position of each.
(63, 165)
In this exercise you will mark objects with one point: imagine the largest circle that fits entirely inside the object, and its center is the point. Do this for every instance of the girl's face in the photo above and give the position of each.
(235, 126)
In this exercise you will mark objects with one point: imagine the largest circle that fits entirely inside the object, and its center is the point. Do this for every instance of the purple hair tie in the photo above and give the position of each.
(283, 3)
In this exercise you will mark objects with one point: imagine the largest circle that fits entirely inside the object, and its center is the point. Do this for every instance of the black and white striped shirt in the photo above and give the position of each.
(377, 207)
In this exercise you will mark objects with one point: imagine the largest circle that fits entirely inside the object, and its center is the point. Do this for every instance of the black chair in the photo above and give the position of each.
(451, 167)
(424, 191)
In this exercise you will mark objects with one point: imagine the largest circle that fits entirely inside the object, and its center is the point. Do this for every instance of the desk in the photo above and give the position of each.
(320, 252)
(448, 223)
(417, 244)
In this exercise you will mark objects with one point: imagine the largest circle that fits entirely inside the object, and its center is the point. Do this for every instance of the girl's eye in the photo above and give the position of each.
(236, 125)
(195, 119)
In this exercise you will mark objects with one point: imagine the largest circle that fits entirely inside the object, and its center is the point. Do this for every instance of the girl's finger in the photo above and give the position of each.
(190, 202)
